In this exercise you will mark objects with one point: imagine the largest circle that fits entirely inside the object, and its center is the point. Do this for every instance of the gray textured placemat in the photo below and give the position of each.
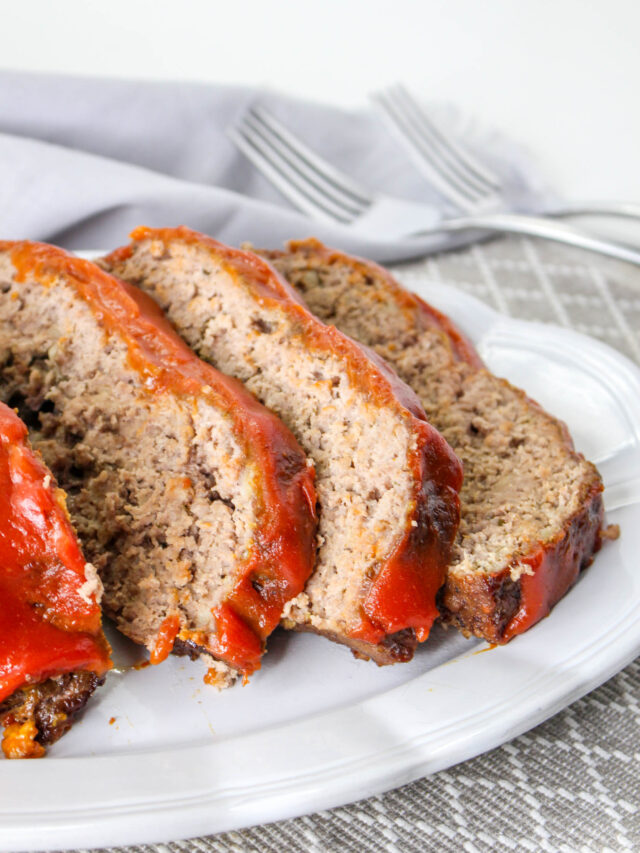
(572, 783)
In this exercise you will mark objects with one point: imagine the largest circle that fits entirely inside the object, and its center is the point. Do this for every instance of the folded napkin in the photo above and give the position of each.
(83, 161)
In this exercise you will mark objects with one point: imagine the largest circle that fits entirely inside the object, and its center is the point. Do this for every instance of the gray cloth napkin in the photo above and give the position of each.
(83, 161)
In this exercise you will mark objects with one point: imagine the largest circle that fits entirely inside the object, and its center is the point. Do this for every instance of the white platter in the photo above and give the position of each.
(316, 728)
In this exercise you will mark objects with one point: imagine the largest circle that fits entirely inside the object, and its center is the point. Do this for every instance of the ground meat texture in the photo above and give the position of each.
(386, 481)
(531, 507)
(183, 489)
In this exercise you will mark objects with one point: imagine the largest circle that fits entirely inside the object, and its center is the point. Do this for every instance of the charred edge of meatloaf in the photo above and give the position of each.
(480, 605)
(483, 605)
(187, 648)
(53, 705)
(220, 674)
(394, 648)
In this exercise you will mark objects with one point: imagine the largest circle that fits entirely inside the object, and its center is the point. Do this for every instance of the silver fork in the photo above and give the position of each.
(449, 167)
(327, 194)
(454, 171)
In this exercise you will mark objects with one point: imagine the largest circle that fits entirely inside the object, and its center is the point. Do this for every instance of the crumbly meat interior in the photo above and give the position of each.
(360, 449)
(522, 480)
(161, 494)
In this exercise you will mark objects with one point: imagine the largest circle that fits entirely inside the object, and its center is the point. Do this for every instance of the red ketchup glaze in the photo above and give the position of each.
(285, 549)
(165, 639)
(46, 627)
(555, 566)
(403, 593)
(551, 577)
(233, 638)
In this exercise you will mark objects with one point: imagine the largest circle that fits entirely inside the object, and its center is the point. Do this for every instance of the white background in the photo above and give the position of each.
(561, 76)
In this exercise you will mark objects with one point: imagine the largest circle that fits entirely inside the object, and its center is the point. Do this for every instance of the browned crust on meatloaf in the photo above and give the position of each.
(498, 605)
(272, 557)
(422, 547)
(52, 706)
(487, 605)
(393, 648)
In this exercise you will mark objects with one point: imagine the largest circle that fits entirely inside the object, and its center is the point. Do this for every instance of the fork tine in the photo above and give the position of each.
(305, 157)
(290, 183)
(345, 204)
(448, 184)
(482, 173)
(460, 161)
(426, 147)
(319, 187)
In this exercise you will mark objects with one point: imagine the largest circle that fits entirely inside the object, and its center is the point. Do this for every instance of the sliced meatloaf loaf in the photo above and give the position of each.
(195, 504)
(386, 481)
(531, 507)
(53, 653)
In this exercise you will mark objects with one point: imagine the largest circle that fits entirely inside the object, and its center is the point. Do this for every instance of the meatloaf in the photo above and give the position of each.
(387, 483)
(531, 507)
(194, 503)
(53, 653)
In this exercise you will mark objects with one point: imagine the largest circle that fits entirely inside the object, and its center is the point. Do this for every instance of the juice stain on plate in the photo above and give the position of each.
(487, 649)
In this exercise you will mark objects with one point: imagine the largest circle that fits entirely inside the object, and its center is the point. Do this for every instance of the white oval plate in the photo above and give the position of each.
(316, 728)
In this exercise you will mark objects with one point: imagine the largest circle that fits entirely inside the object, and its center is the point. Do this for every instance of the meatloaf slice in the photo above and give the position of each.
(195, 504)
(531, 507)
(387, 482)
(53, 653)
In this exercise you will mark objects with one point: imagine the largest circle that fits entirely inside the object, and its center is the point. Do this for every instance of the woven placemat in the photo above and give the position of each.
(572, 783)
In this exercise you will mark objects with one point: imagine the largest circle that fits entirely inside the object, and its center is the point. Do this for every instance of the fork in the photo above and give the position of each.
(327, 194)
(454, 171)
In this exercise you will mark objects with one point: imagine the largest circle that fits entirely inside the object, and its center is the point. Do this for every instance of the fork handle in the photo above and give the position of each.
(624, 209)
(536, 226)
